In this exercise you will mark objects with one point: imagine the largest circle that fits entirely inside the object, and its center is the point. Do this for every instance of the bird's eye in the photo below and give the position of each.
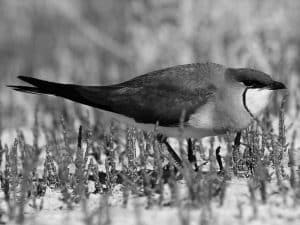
(247, 83)
(253, 84)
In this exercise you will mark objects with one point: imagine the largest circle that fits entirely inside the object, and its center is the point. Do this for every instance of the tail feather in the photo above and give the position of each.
(33, 81)
(88, 95)
(41, 87)
(27, 89)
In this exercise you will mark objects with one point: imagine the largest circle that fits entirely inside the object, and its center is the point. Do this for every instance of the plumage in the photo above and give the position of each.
(257, 99)
(210, 95)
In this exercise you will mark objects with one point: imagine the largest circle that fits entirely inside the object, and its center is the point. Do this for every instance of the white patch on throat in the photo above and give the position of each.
(257, 99)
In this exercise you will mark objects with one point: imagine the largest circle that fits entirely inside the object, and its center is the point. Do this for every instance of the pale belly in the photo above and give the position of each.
(203, 129)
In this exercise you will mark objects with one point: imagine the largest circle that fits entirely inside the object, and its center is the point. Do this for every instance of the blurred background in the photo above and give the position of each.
(108, 41)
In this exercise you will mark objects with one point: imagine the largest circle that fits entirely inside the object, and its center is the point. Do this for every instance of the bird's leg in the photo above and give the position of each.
(237, 140)
(191, 155)
(219, 159)
(235, 147)
(163, 139)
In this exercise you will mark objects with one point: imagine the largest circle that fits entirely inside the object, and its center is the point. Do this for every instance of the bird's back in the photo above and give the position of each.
(160, 96)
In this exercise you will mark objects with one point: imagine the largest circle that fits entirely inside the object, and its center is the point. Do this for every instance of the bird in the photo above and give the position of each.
(205, 99)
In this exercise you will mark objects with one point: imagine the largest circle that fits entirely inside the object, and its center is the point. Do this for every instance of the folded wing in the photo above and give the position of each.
(160, 96)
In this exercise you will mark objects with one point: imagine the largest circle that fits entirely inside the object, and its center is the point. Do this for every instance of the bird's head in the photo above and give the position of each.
(257, 88)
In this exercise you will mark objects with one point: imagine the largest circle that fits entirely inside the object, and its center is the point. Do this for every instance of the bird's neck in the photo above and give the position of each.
(256, 100)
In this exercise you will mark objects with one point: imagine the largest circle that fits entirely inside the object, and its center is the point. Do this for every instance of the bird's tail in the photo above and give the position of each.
(41, 87)
(88, 95)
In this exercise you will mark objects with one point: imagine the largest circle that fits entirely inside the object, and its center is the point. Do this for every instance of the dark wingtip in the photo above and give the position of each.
(21, 88)
(12, 87)
(25, 78)
(25, 89)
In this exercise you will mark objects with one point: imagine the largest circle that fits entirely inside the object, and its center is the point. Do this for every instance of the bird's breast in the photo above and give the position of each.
(203, 117)
(230, 111)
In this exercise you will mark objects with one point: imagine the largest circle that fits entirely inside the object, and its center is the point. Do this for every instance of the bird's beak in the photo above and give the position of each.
(275, 85)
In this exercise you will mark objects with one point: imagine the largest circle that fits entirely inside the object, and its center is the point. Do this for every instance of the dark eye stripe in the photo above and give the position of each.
(254, 84)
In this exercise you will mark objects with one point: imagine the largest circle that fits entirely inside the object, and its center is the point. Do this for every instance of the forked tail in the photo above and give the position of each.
(41, 87)
(96, 96)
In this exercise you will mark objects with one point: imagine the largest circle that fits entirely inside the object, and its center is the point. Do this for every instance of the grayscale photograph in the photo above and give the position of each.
(144, 112)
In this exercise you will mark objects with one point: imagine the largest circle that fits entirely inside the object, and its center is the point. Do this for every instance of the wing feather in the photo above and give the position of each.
(160, 96)
(163, 95)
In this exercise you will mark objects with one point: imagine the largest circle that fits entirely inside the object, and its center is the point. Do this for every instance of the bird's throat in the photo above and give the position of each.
(255, 100)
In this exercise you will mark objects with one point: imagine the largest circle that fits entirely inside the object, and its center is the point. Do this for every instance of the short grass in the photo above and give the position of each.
(104, 175)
